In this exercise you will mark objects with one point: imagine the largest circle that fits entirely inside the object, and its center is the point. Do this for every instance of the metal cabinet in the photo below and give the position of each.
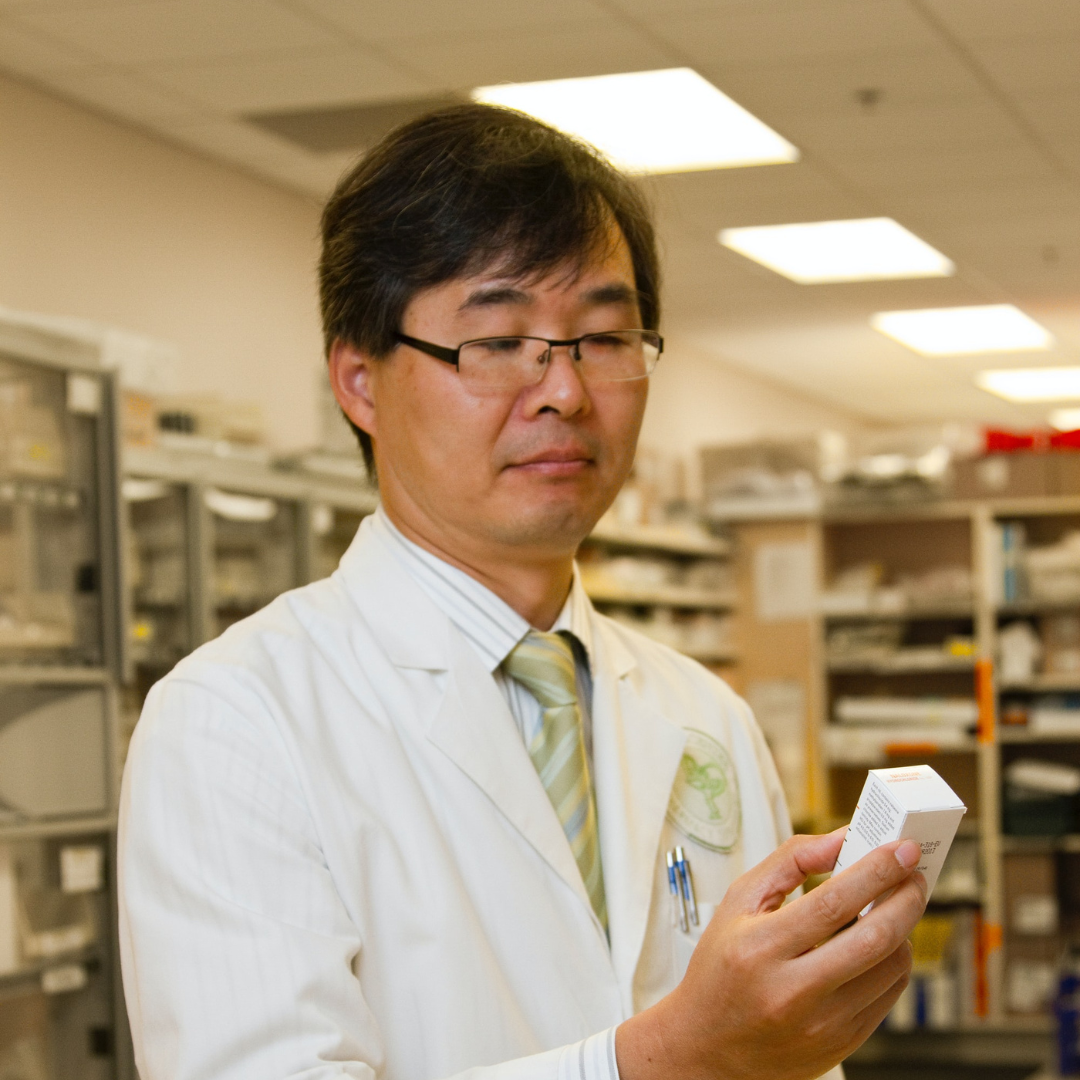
(210, 540)
(60, 1006)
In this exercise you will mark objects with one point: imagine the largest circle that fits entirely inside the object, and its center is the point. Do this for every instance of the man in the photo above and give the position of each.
(411, 821)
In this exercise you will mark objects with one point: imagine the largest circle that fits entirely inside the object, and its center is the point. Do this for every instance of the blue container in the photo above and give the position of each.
(1067, 1011)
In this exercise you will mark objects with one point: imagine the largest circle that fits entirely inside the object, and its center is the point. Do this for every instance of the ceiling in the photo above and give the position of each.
(959, 118)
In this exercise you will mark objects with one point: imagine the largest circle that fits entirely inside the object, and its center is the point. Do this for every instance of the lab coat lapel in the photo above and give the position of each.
(474, 728)
(471, 724)
(637, 752)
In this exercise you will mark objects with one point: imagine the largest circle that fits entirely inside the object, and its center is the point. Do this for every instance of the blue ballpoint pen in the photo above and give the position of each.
(678, 908)
(687, 883)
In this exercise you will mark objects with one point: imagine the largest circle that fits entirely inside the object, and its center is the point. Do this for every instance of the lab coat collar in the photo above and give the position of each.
(409, 627)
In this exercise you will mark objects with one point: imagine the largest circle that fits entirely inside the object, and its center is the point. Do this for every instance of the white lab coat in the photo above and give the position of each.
(337, 859)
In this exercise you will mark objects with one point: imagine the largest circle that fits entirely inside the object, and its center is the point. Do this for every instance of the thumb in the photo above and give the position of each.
(765, 886)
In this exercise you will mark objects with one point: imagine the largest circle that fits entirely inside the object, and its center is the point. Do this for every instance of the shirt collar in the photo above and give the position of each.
(487, 621)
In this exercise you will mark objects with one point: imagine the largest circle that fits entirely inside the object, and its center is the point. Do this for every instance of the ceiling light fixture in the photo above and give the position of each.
(1065, 419)
(860, 249)
(960, 331)
(665, 121)
(1032, 384)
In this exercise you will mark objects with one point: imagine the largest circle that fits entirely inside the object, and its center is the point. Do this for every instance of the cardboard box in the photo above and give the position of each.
(910, 803)
(1006, 476)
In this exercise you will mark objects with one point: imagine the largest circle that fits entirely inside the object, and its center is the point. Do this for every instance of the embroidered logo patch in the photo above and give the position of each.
(705, 802)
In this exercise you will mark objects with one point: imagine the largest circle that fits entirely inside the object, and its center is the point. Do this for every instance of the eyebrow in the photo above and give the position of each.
(601, 296)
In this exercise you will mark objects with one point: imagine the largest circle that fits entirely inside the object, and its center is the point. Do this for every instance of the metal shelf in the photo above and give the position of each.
(1019, 735)
(30, 974)
(1040, 844)
(59, 673)
(660, 538)
(1060, 683)
(661, 595)
(907, 614)
(903, 665)
(36, 830)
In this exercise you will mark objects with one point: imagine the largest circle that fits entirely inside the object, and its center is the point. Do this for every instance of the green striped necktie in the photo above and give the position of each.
(544, 665)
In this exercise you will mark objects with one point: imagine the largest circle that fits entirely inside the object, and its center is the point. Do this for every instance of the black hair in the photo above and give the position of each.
(460, 190)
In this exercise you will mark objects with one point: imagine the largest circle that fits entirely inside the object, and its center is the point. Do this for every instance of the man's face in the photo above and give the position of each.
(531, 468)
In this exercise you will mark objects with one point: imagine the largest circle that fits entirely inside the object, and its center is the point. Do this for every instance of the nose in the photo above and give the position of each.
(561, 389)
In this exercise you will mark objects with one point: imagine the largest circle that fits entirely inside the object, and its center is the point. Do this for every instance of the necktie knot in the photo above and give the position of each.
(544, 665)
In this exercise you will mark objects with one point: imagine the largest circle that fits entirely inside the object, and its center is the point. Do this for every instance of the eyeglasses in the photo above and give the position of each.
(514, 363)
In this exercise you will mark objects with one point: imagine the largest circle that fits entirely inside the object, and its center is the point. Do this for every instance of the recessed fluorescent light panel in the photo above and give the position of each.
(649, 121)
(960, 331)
(1033, 384)
(863, 249)
(1065, 419)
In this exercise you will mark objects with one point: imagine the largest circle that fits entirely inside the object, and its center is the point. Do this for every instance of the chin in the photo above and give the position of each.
(557, 529)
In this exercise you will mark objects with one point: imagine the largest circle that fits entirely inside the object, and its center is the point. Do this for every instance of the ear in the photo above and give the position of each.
(350, 379)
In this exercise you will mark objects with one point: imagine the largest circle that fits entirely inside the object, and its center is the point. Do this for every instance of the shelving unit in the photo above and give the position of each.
(209, 540)
(59, 661)
(673, 584)
(914, 662)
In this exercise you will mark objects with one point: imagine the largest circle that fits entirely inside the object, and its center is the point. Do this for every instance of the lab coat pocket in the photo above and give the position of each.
(685, 942)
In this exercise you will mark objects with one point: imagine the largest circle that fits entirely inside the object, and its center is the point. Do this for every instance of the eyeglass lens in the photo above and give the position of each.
(509, 362)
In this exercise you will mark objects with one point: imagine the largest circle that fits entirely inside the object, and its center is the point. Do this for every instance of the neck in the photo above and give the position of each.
(535, 587)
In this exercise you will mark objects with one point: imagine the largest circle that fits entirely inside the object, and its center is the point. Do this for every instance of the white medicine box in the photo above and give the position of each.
(911, 803)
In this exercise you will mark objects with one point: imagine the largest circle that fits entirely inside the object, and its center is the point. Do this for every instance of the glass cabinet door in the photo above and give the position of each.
(51, 587)
(254, 547)
(159, 587)
(57, 975)
(333, 529)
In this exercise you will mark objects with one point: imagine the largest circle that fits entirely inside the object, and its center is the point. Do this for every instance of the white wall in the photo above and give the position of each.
(102, 222)
(697, 400)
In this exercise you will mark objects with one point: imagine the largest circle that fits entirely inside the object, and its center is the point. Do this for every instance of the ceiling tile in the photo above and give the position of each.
(179, 29)
(891, 173)
(25, 52)
(910, 129)
(1027, 65)
(290, 82)
(394, 20)
(122, 94)
(1007, 20)
(595, 48)
(851, 85)
(784, 30)
(704, 202)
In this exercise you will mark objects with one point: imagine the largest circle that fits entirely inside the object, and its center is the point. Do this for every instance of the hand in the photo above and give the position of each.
(785, 992)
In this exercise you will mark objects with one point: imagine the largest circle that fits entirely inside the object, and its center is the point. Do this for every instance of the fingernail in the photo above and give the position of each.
(907, 854)
(921, 881)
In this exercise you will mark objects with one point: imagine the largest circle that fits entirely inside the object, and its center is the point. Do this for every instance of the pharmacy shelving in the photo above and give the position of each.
(671, 582)
(209, 539)
(923, 626)
(947, 646)
(60, 649)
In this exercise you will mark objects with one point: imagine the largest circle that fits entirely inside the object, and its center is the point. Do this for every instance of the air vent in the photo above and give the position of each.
(346, 127)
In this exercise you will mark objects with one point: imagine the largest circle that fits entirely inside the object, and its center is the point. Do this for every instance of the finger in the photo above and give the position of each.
(767, 885)
(819, 914)
(853, 997)
(864, 944)
(869, 1020)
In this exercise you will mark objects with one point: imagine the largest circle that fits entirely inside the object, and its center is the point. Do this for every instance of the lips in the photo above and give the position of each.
(556, 457)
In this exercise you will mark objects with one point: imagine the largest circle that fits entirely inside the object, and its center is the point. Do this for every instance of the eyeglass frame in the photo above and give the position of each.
(452, 356)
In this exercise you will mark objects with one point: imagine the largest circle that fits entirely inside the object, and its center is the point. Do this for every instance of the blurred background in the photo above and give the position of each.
(857, 496)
